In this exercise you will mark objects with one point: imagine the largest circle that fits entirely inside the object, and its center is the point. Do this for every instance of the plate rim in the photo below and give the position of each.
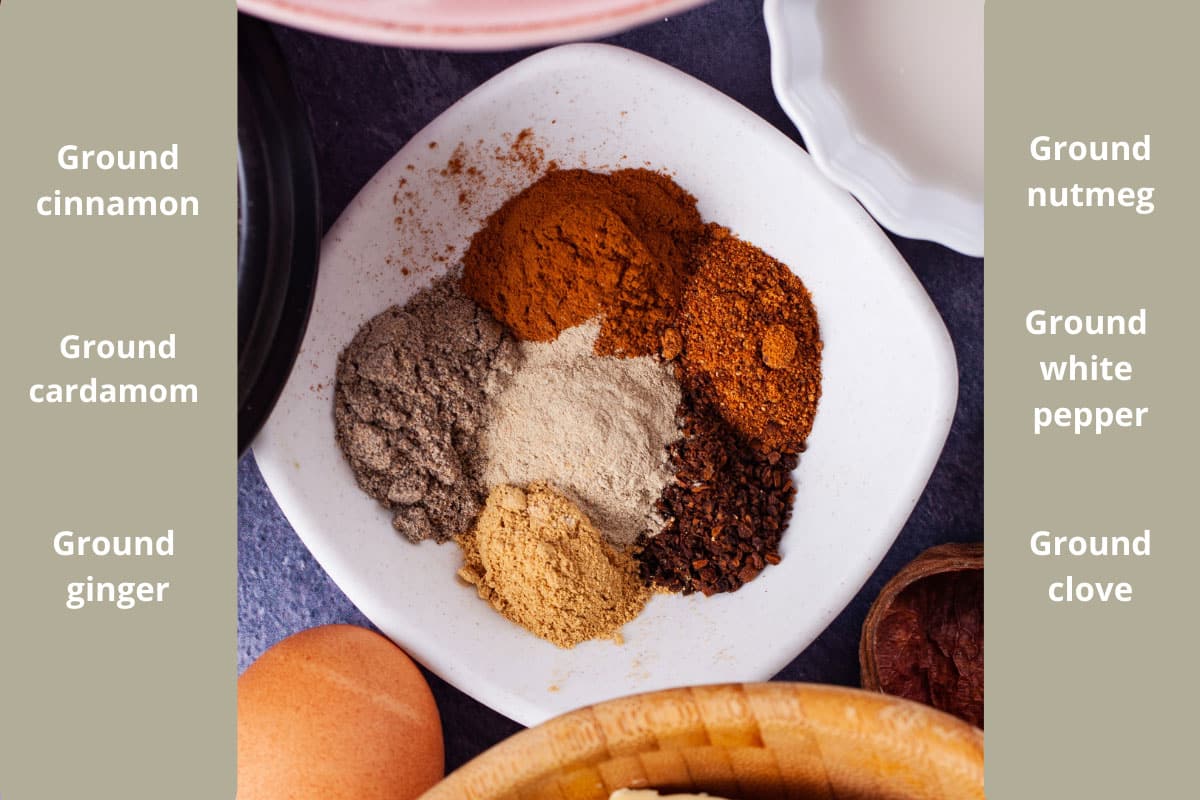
(484, 36)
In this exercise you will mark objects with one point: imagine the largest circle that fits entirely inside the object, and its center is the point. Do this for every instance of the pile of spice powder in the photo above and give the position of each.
(409, 407)
(751, 367)
(538, 560)
(442, 404)
(751, 342)
(726, 510)
(597, 428)
(577, 245)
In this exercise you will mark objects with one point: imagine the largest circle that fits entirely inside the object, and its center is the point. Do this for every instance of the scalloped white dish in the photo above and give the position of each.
(889, 102)
(889, 386)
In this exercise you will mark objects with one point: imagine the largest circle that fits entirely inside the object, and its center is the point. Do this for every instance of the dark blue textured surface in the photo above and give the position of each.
(365, 102)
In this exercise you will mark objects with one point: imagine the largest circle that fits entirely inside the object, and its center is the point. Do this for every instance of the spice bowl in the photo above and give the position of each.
(923, 636)
(278, 225)
(766, 740)
(875, 439)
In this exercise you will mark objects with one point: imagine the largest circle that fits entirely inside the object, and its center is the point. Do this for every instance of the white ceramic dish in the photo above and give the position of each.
(910, 206)
(889, 383)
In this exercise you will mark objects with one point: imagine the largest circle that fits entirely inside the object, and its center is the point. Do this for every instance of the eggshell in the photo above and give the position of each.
(336, 713)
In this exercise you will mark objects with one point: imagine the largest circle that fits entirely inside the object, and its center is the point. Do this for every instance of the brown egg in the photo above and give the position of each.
(336, 713)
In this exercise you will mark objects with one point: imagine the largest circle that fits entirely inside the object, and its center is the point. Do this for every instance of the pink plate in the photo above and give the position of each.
(464, 24)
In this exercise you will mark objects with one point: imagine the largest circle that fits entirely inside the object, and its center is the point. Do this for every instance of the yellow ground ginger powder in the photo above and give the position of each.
(538, 560)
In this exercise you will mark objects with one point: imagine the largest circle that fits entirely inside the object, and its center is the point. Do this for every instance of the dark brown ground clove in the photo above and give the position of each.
(726, 510)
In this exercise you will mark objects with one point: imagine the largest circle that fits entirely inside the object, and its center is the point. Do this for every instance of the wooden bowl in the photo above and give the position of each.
(740, 741)
(955, 682)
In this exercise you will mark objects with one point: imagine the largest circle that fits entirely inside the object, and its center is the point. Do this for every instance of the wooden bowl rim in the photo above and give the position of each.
(539, 753)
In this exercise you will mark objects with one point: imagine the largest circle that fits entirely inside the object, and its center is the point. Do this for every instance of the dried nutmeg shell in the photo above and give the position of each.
(923, 637)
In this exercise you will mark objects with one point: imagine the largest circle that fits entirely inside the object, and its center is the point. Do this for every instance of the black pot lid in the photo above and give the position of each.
(278, 225)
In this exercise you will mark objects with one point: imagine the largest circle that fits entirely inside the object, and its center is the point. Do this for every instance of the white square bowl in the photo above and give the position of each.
(889, 387)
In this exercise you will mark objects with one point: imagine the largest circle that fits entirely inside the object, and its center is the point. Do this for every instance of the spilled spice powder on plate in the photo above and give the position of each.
(538, 560)
(751, 342)
(579, 244)
(726, 510)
